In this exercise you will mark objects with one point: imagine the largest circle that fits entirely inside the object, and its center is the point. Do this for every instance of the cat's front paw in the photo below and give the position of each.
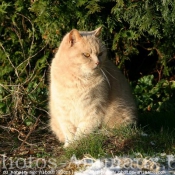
(66, 145)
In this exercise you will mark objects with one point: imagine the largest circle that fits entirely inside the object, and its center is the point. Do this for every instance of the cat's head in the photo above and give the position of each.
(83, 51)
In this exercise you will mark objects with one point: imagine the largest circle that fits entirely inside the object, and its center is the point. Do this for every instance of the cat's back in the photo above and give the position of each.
(122, 107)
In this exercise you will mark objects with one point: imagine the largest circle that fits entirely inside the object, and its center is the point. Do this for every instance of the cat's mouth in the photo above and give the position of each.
(97, 65)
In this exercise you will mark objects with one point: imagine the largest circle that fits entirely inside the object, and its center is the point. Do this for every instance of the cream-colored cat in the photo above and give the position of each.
(86, 89)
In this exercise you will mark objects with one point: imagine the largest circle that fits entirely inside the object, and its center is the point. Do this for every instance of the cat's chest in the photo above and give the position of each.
(83, 95)
(79, 97)
(75, 105)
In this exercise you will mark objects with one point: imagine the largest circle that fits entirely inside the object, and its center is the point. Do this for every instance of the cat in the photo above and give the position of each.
(87, 90)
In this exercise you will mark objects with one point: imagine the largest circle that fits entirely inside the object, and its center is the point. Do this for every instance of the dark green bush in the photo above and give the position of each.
(155, 96)
(24, 64)
(31, 30)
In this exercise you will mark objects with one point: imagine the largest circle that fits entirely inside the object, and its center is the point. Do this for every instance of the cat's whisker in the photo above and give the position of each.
(110, 74)
(105, 48)
(105, 77)
(107, 39)
(108, 66)
(104, 45)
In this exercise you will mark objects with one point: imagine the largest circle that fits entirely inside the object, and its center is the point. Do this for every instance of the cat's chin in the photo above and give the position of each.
(93, 72)
(89, 72)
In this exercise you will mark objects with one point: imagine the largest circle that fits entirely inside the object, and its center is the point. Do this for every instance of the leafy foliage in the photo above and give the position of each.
(154, 97)
(23, 88)
(31, 30)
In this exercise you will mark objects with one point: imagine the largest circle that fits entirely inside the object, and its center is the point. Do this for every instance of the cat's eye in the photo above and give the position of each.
(86, 55)
(100, 54)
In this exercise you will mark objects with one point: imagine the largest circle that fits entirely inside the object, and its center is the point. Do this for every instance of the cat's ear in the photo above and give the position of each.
(74, 36)
(97, 31)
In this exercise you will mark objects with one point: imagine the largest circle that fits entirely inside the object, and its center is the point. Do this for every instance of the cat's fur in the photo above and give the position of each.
(86, 89)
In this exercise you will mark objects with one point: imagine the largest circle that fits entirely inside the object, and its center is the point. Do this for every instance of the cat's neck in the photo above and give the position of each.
(69, 77)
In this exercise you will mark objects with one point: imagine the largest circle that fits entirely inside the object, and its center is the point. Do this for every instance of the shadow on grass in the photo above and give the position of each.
(155, 134)
(157, 121)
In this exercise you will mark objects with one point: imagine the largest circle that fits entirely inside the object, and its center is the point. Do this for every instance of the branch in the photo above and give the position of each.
(31, 130)
(16, 72)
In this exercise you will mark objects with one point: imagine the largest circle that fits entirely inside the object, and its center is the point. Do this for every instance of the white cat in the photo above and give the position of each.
(86, 89)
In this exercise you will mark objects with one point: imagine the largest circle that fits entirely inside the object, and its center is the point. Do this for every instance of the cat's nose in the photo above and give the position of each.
(97, 63)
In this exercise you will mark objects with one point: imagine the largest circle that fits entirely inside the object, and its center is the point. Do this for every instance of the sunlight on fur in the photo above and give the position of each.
(86, 89)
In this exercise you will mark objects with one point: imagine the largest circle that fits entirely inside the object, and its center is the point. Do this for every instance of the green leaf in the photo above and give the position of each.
(173, 84)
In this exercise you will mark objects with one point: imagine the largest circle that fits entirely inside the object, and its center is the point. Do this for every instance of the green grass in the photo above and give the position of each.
(160, 138)
(125, 141)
